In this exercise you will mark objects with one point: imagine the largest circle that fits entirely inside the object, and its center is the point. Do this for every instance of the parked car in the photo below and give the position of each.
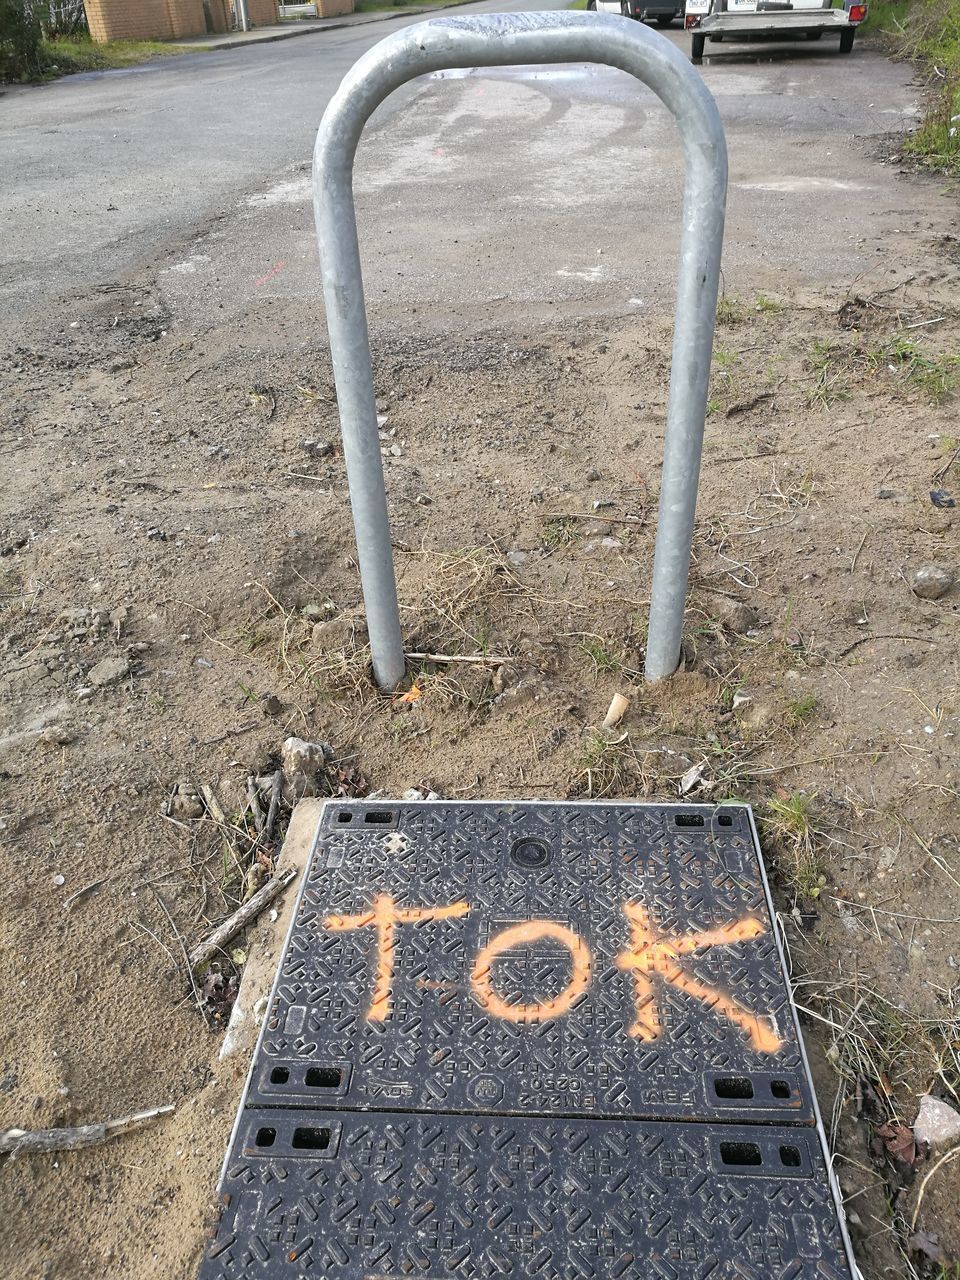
(662, 12)
(738, 20)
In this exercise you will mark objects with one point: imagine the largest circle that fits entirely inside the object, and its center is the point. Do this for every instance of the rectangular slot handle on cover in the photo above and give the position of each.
(733, 1087)
(741, 1154)
(285, 1134)
(307, 1138)
(758, 1090)
(323, 1078)
(762, 1156)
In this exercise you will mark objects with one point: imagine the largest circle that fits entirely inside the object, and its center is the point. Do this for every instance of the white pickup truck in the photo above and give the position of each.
(738, 20)
(662, 12)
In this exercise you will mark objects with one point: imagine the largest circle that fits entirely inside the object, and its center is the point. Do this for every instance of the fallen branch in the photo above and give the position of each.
(17, 1141)
(866, 639)
(214, 807)
(274, 804)
(245, 915)
(923, 1185)
(482, 658)
(941, 475)
(215, 810)
(592, 515)
(254, 803)
(744, 406)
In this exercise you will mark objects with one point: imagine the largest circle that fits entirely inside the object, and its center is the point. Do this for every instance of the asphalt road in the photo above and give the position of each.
(483, 197)
(101, 169)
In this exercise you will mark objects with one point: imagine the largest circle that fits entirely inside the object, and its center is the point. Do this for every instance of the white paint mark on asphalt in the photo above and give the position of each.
(297, 192)
(190, 265)
(725, 83)
(591, 273)
(789, 185)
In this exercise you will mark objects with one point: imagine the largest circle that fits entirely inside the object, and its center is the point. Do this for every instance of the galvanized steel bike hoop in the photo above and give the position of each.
(491, 40)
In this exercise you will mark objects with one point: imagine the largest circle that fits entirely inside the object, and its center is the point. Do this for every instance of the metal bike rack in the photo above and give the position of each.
(513, 39)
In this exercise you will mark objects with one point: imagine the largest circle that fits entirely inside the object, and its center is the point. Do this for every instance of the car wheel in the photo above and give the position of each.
(696, 49)
(846, 39)
(591, 6)
(625, 9)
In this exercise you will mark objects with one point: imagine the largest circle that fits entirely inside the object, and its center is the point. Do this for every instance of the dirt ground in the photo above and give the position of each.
(178, 594)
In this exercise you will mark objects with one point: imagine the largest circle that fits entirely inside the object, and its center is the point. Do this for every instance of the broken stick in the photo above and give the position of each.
(17, 1141)
(274, 803)
(245, 915)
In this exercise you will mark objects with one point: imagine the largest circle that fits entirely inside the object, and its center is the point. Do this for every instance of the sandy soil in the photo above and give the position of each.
(177, 503)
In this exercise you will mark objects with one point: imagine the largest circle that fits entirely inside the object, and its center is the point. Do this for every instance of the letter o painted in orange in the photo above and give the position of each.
(516, 936)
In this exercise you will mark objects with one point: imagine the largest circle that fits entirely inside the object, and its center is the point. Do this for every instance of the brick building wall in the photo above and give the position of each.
(220, 15)
(156, 19)
(262, 13)
(186, 18)
(127, 19)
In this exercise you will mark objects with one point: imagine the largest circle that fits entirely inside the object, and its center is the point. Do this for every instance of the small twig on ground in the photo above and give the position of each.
(213, 804)
(18, 1141)
(230, 733)
(254, 803)
(899, 915)
(274, 804)
(954, 1151)
(183, 951)
(940, 476)
(744, 406)
(603, 515)
(865, 639)
(246, 914)
(482, 658)
(856, 554)
(215, 810)
(80, 893)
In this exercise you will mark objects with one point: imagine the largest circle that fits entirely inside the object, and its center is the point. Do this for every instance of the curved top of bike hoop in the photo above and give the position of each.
(510, 39)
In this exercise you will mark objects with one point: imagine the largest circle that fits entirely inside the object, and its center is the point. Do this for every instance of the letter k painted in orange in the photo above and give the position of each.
(652, 953)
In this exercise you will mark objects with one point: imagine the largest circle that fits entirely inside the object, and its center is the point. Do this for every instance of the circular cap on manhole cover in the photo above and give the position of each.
(528, 851)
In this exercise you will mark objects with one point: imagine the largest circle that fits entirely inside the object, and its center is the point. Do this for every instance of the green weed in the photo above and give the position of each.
(607, 767)
(801, 711)
(928, 32)
(730, 312)
(789, 823)
(559, 532)
(935, 376)
(828, 375)
(604, 656)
